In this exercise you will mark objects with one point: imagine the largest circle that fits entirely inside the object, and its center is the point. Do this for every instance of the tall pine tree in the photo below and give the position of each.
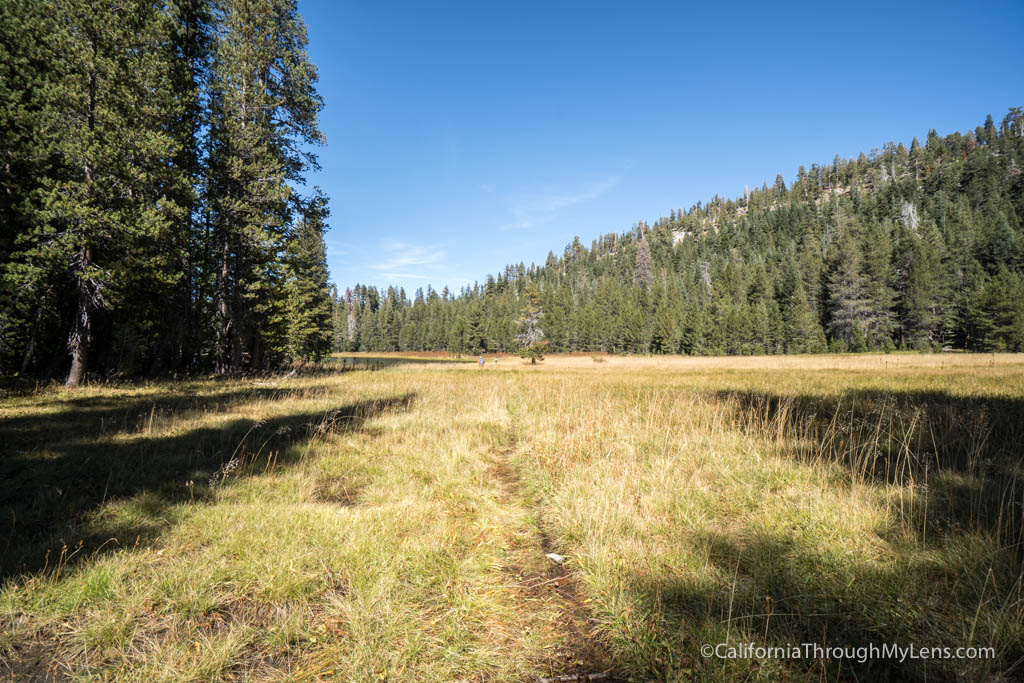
(264, 109)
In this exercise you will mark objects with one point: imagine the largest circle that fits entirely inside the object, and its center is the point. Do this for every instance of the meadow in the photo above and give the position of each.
(394, 524)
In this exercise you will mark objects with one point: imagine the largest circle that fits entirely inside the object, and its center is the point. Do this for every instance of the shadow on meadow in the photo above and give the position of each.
(778, 591)
(948, 471)
(59, 470)
(963, 456)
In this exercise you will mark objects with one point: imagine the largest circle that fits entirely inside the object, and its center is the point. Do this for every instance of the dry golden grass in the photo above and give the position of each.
(393, 524)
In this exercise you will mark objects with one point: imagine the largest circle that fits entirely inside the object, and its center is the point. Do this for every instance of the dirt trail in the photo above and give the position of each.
(576, 654)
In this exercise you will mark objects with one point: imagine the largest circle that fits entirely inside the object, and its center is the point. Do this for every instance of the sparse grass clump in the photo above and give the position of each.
(394, 524)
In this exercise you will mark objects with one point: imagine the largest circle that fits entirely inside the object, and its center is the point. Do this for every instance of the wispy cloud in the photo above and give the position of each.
(405, 276)
(402, 260)
(544, 208)
(336, 248)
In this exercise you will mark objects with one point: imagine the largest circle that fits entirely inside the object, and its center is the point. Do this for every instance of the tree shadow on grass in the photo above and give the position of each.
(962, 455)
(949, 470)
(59, 471)
(81, 417)
(776, 591)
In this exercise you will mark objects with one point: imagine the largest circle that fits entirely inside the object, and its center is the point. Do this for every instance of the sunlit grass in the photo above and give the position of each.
(393, 524)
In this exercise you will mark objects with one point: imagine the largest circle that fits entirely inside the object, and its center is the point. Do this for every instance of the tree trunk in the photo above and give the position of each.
(30, 348)
(26, 361)
(224, 309)
(78, 340)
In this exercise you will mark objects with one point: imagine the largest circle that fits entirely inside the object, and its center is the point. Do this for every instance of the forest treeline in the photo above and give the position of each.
(153, 219)
(151, 167)
(903, 248)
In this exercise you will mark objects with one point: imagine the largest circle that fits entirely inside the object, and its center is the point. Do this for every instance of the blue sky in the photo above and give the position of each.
(463, 136)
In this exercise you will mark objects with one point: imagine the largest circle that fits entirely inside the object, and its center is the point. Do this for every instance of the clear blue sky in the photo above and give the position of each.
(463, 136)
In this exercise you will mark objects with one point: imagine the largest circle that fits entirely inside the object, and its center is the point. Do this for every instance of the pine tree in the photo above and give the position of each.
(848, 303)
(309, 328)
(475, 333)
(801, 332)
(642, 272)
(29, 123)
(531, 336)
(921, 288)
(183, 325)
(263, 118)
(1002, 312)
(665, 336)
(100, 214)
(351, 323)
(877, 272)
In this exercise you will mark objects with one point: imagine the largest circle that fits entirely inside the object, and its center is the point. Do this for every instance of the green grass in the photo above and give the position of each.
(393, 525)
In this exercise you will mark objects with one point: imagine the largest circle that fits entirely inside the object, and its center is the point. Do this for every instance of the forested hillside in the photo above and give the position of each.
(915, 247)
(150, 160)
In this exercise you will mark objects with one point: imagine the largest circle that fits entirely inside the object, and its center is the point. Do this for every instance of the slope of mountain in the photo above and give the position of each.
(915, 247)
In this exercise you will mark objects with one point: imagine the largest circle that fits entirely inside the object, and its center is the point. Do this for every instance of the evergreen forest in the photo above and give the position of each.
(913, 247)
(155, 218)
(153, 211)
